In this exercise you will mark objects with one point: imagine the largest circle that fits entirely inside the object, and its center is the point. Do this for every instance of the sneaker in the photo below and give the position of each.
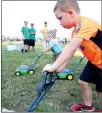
(82, 107)
(100, 110)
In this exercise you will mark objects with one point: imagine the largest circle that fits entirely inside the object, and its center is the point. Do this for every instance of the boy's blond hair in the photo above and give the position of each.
(49, 35)
(65, 5)
(52, 33)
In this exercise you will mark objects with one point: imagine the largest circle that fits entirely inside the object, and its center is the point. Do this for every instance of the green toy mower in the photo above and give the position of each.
(27, 70)
(24, 70)
(69, 74)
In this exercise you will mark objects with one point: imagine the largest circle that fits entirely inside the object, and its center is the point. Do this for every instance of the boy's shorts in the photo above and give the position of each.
(25, 41)
(31, 42)
(92, 74)
(54, 57)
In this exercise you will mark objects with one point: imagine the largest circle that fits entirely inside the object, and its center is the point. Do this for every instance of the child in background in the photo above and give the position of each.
(32, 38)
(25, 34)
(53, 45)
(87, 36)
(43, 31)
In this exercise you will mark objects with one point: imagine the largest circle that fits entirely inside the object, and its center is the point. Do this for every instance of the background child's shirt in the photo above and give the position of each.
(55, 46)
(44, 30)
(91, 46)
(25, 32)
(32, 36)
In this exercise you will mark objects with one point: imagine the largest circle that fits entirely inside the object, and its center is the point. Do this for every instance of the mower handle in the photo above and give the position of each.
(77, 64)
(44, 77)
(34, 62)
(47, 76)
(41, 53)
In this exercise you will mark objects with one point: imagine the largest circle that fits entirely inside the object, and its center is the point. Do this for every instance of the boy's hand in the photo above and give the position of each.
(49, 68)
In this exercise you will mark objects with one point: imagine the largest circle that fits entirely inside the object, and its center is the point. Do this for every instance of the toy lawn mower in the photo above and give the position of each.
(28, 70)
(47, 82)
(69, 74)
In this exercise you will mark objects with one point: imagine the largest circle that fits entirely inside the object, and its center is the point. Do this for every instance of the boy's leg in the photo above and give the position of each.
(86, 92)
(84, 80)
(28, 45)
(22, 50)
(33, 45)
(26, 48)
(33, 48)
(25, 45)
(88, 76)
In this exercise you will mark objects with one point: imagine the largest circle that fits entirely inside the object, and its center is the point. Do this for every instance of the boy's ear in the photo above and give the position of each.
(71, 13)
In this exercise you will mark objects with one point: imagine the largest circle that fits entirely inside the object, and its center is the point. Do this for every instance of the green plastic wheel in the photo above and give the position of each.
(70, 77)
(17, 73)
(31, 72)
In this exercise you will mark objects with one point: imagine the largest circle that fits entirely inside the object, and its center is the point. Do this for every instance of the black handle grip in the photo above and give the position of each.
(47, 76)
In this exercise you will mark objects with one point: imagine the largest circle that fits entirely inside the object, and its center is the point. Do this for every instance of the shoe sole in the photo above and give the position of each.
(83, 110)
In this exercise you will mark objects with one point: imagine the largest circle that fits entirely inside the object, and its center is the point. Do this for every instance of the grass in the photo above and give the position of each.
(18, 92)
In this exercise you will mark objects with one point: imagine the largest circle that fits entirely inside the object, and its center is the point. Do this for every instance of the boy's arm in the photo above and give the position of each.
(65, 56)
(33, 33)
(47, 49)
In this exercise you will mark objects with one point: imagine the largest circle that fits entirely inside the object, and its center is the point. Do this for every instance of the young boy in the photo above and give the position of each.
(53, 45)
(43, 31)
(25, 33)
(87, 35)
(31, 41)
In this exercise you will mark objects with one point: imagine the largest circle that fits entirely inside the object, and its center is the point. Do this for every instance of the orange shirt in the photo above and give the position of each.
(88, 29)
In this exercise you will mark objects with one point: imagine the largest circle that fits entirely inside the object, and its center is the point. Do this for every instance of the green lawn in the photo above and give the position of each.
(18, 92)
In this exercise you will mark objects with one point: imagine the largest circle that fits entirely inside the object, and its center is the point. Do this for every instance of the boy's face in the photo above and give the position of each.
(65, 18)
(45, 25)
(48, 37)
(25, 23)
(32, 26)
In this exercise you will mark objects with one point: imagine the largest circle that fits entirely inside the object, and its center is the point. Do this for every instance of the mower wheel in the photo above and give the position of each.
(31, 72)
(70, 77)
(17, 73)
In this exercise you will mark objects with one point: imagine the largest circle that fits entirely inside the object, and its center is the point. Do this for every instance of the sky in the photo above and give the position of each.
(14, 13)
